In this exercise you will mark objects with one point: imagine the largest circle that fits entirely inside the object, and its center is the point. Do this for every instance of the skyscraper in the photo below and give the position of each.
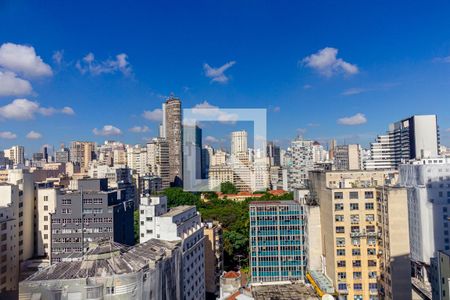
(273, 152)
(82, 153)
(413, 138)
(16, 154)
(158, 160)
(172, 130)
(238, 142)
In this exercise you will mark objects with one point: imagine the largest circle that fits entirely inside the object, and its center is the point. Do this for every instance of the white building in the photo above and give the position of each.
(238, 142)
(45, 205)
(16, 154)
(183, 224)
(137, 159)
(412, 138)
(300, 160)
(428, 184)
(158, 160)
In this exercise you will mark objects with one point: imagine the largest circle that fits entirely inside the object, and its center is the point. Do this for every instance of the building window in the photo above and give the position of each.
(338, 195)
(370, 218)
(354, 195)
(45, 198)
(340, 229)
(356, 263)
(66, 201)
(357, 275)
(368, 195)
(369, 206)
(371, 251)
(357, 286)
(339, 206)
(45, 208)
(354, 206)
(340, 252)
(66, 211)
(341, 275)
(341, 263)
(372, 263)
(356, 252)
(340, 242)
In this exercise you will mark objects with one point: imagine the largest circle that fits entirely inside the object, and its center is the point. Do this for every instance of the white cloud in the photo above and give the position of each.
(325, 62)
(357, 119)
(218, 74)
(353, 91)
(68, 111)
(107, 130)
(11, 85)
(211, 139)
(139, 129)
(24, 109)
(23, 60)
(33, 135)
(313, 124)
(58, 57)
(206, 109)
(153, 115)
(7, 135)
(89, 65)
(307, 87)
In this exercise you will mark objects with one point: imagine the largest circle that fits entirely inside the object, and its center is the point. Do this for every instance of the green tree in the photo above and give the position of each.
(136, 226)
(228, 188)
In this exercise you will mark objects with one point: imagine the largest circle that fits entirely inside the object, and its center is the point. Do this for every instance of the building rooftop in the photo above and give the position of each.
(108, 258)
(231, 274)
(296, 291)
(177, 210)
(274, 202)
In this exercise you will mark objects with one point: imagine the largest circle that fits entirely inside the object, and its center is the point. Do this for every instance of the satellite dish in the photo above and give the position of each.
(327, 297)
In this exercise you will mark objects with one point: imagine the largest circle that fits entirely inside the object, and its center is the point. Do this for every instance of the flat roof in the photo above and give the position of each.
(177, 210)
(295, 291)
(275, 202)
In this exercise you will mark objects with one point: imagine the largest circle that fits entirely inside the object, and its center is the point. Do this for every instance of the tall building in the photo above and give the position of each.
(62, 155)
(239, 142)
(82, 153)
(440, 276)
(413, 138)
(181, 223)
(364, 232)
(158, 160)
(137, 159)
(213, 258)
(16, 154)
(109, 270)
(301, 161)
(88, 214)
(219, 174)
(273, 152)
(276, 241)
(192, 141)
(428, 184)
(172, 129)
(348, 157)
(207, 154)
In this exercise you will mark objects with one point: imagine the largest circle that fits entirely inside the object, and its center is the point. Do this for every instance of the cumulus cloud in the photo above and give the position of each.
(23, 60)
(33, 135)
(153, 115)
(8, 135)
(24, 109)
(107, 130)
(325, 62)
(89, 65)
(357, 119)
(68, 111)
(11, 85)
(139, 129)
(218, 74)
(211, 111)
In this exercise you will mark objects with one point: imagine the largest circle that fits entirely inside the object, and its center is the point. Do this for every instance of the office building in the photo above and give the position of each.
(88, 213)
(16, 154)
(300, 161)
(82, 153)
(172, 129)
(62, 155)
(239, 142)
(213, 258)
(440, 276)
(207, 154)
(137, 159)
(277, 241)
(347, 157)
(158, 160)
(181, 223)
(192, 141)
(219, 174)
(109, 270)
(428, 185)
(413, 138)
(363, 228)
(273, 152)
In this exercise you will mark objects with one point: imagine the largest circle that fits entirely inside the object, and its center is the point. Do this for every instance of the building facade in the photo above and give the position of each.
(277, 241)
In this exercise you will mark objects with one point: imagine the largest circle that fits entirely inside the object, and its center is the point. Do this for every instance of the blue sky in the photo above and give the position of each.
(325, 69)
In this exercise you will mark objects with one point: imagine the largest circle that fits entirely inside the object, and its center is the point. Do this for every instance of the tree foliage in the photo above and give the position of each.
(228, 188)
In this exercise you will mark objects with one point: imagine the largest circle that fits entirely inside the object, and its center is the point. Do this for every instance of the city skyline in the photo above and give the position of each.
(321, 83)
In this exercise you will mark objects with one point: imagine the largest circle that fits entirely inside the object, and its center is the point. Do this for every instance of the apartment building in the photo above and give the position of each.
(276, 241)
(87, 214)
(82, 153)
(16, 154)
(348, 157)
(181, 223)
(158, 160)
(357, 227)
(440, 276)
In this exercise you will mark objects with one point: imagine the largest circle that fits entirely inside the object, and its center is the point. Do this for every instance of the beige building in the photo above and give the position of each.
(9, 237)
(348, 157)
(16, 154)
(213, 257)
(45, 205)
(172, 130)
(218, 175)
(158, 160)
(82, 153)
(353, 238)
